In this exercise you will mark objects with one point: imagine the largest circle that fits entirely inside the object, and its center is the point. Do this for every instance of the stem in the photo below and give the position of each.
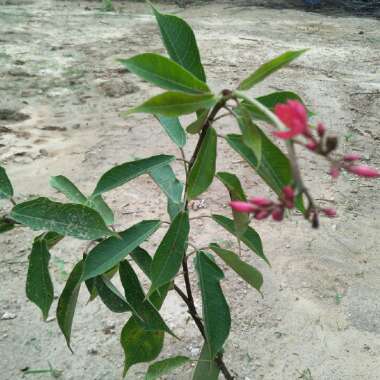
(188, 296)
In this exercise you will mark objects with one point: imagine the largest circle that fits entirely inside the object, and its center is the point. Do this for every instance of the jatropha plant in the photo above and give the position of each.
(282, 115)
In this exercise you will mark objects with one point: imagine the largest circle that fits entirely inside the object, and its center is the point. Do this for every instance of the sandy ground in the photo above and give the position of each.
(320, 316)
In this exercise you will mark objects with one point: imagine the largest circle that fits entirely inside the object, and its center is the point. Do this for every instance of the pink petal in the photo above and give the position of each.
(286, 135)
(288, 192)
(364, 171)
(261, 202)
(240, 206)
(351, 157)
(334, 172)
(262, 214)
(321, 130)
(278, 214)
(330, 212)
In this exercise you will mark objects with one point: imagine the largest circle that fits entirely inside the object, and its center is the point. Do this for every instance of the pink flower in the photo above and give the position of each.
(321, 130)
(364, 171)
(261, 214)
(351, 157)
(278, 214)
(288, 192)
(330, 212)
(241, 206)
(293, 114)
(334, 171)
(312, 145)
(261, 202)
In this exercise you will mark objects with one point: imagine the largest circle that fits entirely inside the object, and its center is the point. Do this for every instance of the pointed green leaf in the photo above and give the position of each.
(168, 182)
(180, 43)
(236, 191)
(270, 101)
(6, 225)
(68, 300)
(110, 296)
(274, 168)
(251, 132)
(247, 272)
(197, 125)
(139, 345)
(111, 251)
(97, 203)
(206, 367)
(66, 187)
(203, 171)
(269, 68)
(164, 73)
(174, 104)
(6, 189)
(250, 237)
(151, 319)
(216, 313)
(121, 174)
(39, 287)
(168, 257)
(173, 129)
(64, 218)
(163, 367)
(142, 258)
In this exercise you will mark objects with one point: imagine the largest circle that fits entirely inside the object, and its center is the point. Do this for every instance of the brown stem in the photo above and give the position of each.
(188, 297)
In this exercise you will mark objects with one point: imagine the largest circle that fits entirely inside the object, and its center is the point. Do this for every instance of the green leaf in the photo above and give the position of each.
(111, 251)
(163, 367)
(274, 167)
(110, 296)
(197, 125)
(139, 345)
(39, 287)
(97, 203)
(168, 182)
(216, 313)
(66, 187)
(203, 171)
(142, 258)
(251, 132)
(236, 192)
(269, 68)
(174, 104)
(270, 101)
(164, 73)
(68, 300)
(206, 367)
(248, 273)
(121, 174)
(5, 225)
(6, 189)
(173, 129)
(51, 238)
(168, 257)
(150, 318)
(180, 43)
(64, 218)
(250, 237)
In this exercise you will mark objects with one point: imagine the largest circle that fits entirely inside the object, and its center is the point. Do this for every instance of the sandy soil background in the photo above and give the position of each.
(61, 91)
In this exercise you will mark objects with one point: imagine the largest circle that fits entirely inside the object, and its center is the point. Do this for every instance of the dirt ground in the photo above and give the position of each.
(61, 92)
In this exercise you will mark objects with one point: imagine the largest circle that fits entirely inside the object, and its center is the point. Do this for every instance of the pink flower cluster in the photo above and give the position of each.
(262, 208)
(294, 116)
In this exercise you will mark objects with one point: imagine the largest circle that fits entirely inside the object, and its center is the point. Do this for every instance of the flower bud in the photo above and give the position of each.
(261, 214)
(312, 145)
(240, 206)
(330, 212)
(321, 130)
(351, 157)
(334, 171)
(261, 202)
(364, 171)
(278, 214)
(288, 192)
